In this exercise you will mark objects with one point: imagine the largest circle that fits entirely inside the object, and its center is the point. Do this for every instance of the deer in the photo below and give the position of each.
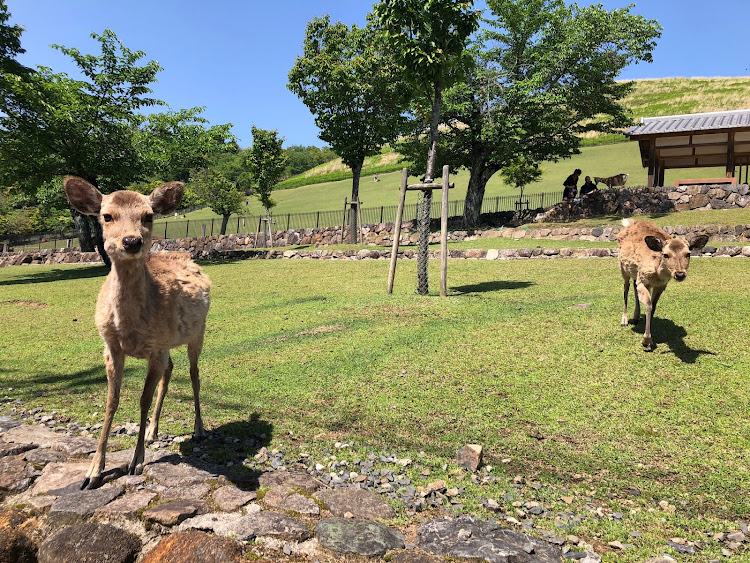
(149, 304)
(651, 257)
(611, 181)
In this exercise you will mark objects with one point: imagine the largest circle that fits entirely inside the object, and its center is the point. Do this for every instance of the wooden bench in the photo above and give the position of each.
(699, 181)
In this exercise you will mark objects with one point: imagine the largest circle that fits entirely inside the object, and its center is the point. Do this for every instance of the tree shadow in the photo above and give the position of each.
(59, 274)
(665, 331)
(496, 285)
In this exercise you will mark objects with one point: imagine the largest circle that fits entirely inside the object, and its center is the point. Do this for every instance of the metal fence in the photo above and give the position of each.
(296, 221)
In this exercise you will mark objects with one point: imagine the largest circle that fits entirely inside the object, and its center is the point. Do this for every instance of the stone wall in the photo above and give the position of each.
(642, 200)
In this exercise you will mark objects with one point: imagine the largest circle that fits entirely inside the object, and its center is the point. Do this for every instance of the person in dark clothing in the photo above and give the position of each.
(588, 187)
(571, 185)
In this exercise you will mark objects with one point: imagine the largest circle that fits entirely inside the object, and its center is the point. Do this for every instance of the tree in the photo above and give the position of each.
(52, 125)
(353, 88)
(520, 173)
(266, 162)
(429, 39)
(10, 47)
(218, 193)
(544, 73)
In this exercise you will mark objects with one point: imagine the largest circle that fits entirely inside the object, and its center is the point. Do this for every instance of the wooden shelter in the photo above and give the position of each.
(696, 140)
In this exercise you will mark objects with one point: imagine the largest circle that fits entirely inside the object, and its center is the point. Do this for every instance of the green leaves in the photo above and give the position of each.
(265, 161)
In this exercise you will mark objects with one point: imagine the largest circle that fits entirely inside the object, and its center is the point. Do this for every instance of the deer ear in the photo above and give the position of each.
(167, 197)
(84, 197)
(698, 242)
(654, 243)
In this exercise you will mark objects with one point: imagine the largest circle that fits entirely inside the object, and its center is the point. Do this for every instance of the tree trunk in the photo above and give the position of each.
(99, 238)
(480, 174)
(353, 215)
(268, 234)
(83, 230)
(224, 221)
(437, 107)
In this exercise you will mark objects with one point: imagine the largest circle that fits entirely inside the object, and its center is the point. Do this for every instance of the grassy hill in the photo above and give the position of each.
(654, 97)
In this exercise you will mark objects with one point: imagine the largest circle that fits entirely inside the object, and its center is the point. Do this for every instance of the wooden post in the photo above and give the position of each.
(661, 173)
(343, 222)
(359, 220)
(257, 233)
(730, 156)
(397, 230)
(651, 162)
(444, 235)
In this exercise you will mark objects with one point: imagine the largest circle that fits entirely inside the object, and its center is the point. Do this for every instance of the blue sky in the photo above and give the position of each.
(233, 56)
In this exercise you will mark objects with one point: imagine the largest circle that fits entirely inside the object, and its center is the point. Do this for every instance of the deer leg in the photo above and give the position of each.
(637, 312)
(153, 428)
(624, 321)
(194, 350)
(645, 297)
(157, 364)
(114, 360)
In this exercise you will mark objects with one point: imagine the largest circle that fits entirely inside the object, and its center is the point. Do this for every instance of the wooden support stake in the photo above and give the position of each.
(444, 235)
(397, 230)
(343, 222)
(359, 220)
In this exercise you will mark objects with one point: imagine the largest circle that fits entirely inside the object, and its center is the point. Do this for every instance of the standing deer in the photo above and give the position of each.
(149, 304)
(651, 257)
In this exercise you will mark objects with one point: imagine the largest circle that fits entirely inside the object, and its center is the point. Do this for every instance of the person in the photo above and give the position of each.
(588, 187)
(571, 185)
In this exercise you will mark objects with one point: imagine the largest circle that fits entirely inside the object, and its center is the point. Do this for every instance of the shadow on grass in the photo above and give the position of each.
(59, 274)
(665, 331)
(497, 285)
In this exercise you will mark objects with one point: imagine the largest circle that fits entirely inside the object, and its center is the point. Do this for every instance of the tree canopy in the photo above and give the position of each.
(217, 192)
(265, 161)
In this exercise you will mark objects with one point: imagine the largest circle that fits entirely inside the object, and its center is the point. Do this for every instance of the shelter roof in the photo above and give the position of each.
(696, 122)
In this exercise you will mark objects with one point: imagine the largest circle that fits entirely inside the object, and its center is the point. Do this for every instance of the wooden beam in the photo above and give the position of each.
(397, 230)
(651, 162)
(730, 156)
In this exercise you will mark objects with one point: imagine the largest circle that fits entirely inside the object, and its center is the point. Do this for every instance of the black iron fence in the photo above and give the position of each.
(294, 221)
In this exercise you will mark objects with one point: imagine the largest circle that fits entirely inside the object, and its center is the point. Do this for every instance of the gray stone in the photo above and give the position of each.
(288, 479)
(7, 422)
(196, 491)
(363, 537)
(90, 543)
(126, 506)
(76, 507)
(172, 513)
(75, 446)
(177, 475)
(14, 448)
(15, 475)
(271, 524)
(221, 524)
(230, 498)
(58, 478)
(284, 498)
(359, 502)
(470, 457)
(482, 540)
(40, 457)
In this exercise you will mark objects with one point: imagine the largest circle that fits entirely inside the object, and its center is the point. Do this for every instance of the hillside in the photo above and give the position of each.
(651, 97)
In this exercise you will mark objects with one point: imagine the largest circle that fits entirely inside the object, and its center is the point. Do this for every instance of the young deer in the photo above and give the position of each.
(651, 257)
(149, 304)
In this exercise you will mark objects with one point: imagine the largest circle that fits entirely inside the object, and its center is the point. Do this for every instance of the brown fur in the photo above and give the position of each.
(651, 257)
(149, 304)
(618, 180)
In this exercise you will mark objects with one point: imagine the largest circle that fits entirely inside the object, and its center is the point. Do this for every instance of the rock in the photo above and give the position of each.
(363, 537)
(60, 478)
(78, 506)
(40, 457)
(284, 498)
(172, 513)
(271, 524)
(14, 448)
(126, 506)
(484, 540)
(195, 547)
(15, 475)
(492, 254)
(679, 548)
(221, 524)
(230, 498)
(412, 557)
(90, 543)
(177, 474)
(359, 502)
(288, 479)
(16, 537)
(470, 457)
(197, 491)
(6, 423)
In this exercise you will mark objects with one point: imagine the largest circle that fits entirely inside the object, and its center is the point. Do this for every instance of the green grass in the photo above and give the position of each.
(315, 352)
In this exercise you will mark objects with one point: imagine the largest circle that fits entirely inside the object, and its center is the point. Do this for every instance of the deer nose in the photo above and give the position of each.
(132, 244)
(679, 276)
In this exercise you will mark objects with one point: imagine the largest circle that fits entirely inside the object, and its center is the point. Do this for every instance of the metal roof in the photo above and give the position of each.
(691, 122)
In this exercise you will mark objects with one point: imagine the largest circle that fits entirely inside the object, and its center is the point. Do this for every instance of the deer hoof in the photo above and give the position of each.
(647, 344)
(91, 482)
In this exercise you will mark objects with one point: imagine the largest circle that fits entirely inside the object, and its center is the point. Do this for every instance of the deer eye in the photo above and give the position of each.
(107, 218)
(665, 255)
(148, 218)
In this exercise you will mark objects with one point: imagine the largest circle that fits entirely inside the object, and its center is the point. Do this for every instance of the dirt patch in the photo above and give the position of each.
(321, 330)
(27, 304)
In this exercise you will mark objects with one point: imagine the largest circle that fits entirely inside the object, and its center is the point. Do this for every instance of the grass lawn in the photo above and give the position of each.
(315, 352)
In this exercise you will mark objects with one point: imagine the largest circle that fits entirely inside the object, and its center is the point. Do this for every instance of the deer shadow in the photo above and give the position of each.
(665, 331)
